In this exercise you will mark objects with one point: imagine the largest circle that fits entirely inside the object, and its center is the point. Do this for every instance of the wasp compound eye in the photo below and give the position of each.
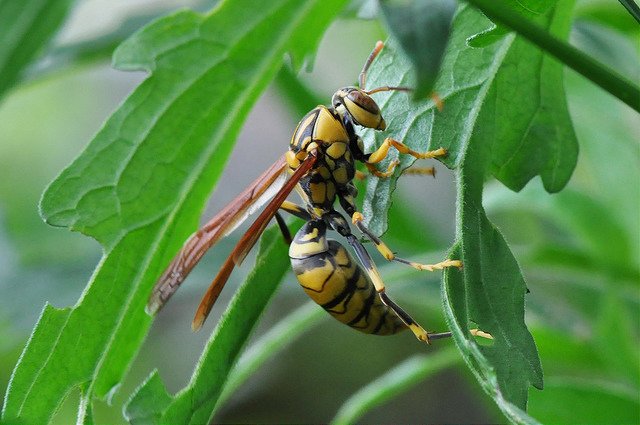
(364, 110)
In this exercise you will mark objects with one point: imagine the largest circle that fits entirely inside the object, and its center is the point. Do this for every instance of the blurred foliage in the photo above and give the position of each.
(579, 251)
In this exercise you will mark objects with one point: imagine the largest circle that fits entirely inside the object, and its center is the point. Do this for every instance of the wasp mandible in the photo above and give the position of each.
(321, 165)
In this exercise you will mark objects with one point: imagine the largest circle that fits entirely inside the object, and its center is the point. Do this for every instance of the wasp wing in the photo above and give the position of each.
(253, 197)
(247, 242)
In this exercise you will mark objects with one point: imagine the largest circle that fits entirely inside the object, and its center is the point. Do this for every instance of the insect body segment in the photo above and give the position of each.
(323, 129)
(321, 164)
(334, 280)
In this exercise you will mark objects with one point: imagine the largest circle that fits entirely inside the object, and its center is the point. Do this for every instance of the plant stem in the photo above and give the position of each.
(599, 74)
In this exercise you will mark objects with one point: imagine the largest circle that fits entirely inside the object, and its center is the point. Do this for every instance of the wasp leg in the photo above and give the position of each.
(416, 171)
(292, 209)
(382, 174)
(383, 150)
(420, 171)
(357, 218)
(296, 210)
(340, 225)
(284, 229)
(372, 271)
(360, 175)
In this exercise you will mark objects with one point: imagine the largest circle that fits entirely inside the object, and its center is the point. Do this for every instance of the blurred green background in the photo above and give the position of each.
(579, 250)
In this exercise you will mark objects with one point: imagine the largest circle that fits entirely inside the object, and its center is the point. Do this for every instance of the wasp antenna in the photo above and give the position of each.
(437, 100)
(363, 74)
(388, 88)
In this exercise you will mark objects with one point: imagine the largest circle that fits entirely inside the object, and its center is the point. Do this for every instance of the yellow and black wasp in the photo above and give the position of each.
(321, 164)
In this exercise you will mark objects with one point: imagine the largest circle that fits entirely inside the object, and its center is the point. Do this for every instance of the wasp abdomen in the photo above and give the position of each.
(334, 280)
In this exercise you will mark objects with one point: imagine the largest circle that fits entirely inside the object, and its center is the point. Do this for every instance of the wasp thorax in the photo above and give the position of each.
(360, 106)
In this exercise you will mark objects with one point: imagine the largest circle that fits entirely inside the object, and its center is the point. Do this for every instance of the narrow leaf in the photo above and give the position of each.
(275, 340)
(26, 27)
(393, 383)
(195, 403)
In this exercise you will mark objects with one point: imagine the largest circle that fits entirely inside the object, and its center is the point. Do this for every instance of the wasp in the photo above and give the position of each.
(321, 167)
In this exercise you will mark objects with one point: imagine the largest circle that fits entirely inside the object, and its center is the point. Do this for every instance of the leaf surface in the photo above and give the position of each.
(423, 29)
(195, 403)
(488, 129)
(26, 27)
(139, 186)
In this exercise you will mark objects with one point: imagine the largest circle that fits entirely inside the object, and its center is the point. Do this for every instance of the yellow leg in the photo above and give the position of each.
(482, 334)
(360, 175)
(416, 171)
(372, 271)
(382, 174)
(383, 150)
(420, 171)
(357, 218)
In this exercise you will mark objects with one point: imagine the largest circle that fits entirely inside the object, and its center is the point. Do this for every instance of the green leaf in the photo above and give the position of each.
(393, 383)
(26, 27)
(531, 9)
(609, 14)
(586, 401)
(140, 185)
(632, 8)
(528, 139)
(194, 404)
(272, 342)
(581, 218)
(488, 130)
(615, 328)
(489, 294)
(147, 403)
(422, 28)
(605, 77)
(100, 48)
(85, 411)
(487, 37)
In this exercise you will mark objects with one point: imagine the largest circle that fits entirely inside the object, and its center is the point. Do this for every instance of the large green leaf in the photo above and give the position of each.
(26, 27)
(527, 139)
(140, 185)
(488, 129)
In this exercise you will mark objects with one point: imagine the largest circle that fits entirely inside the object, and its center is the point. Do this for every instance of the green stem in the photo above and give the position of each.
(604, 77)
(394, 383)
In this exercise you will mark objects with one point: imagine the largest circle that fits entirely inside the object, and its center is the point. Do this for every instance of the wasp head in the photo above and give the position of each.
(359, 106)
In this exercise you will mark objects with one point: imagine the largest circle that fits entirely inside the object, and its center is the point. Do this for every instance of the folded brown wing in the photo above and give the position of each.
(247, 242)
(220, 225)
